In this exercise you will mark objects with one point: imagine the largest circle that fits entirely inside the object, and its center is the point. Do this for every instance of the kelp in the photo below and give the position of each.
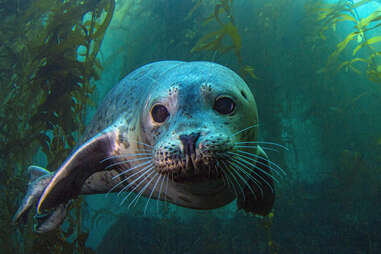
(329, 15)
(215, 41)
(267, 223)
(48, 51)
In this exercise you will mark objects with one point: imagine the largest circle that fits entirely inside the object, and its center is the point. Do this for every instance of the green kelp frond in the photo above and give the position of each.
(329, 15)
(249, 70)
(215, 41)
(374, 70)
(194, 8)
(48, 51)
(368, 42)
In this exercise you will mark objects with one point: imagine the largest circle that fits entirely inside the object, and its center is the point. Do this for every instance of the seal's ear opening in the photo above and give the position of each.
(67, 182)
(261, 203)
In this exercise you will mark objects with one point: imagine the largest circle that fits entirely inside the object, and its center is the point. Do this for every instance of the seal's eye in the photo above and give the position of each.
(224, 105)
(159, 113)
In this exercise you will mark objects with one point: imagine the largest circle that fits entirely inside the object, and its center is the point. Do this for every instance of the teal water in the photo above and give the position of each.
(329, 119)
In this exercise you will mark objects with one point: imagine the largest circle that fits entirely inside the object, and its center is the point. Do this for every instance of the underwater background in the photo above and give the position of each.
(314, 68)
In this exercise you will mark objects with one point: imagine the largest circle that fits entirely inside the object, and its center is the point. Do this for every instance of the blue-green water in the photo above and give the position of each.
(324, 107)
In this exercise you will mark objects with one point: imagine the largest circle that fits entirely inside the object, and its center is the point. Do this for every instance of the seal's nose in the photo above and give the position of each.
(189, 142)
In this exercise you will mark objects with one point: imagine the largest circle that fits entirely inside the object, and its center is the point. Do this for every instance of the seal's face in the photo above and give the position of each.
(192, 127)
(193, 123)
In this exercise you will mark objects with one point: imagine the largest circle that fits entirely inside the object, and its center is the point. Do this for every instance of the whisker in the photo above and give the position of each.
(124, 180)
(264, 158)
(166, 190)
(241, 157)
(137, 186)
(258, 162)
(123, 162)
(123, 156)
(150, 195)
(228, 179)
(245, 129)
(141, 143)
(135, 180)
(134, 167)
(256, 182)
(269, 149)
(217, 166)
(244, 180)
(240, 162)
(135, 200)
(238, 184)
(263, 142)
(144, 150)
(158, 199)
(259, 176)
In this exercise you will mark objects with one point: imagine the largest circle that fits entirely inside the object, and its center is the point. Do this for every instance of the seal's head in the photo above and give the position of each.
(193, 118)
(199, 119)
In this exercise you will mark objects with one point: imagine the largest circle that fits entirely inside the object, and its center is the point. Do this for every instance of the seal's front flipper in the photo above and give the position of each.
(38, 180)
(50, 221)
(262, 202)
(67, 182)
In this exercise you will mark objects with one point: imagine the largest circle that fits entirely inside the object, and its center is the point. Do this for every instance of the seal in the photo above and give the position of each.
(180, 132)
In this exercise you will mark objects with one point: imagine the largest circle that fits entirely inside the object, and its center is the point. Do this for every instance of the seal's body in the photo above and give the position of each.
(183, 132)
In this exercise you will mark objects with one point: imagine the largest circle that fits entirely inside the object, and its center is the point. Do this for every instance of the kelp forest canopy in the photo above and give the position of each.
(314, 67)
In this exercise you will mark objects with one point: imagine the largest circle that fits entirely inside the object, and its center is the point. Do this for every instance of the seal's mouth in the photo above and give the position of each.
(195, 178)
(195, 171)
(191, 160)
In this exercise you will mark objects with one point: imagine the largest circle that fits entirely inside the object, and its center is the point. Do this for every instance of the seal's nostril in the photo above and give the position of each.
(189, 142)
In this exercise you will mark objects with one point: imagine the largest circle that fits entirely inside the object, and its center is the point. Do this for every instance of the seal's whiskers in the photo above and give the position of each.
(245, 129)
(265, 159)
(236, 181)
(141, 143)
(242, 159)
(224, 171)
(123, 156)
(160, 189)
(144, 150)
(124, 180)
(217, 166)
(135, 200)
(255, 173)
(237, 170)
(255, 181)
(137, 186)
(126, 161)
(269, 149)
(166, 191)
(130, 169)
(263, 142)
(145, 171)
(150, 195)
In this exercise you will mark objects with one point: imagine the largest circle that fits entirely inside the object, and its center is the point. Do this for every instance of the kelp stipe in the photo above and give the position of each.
(48, 58)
